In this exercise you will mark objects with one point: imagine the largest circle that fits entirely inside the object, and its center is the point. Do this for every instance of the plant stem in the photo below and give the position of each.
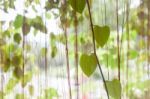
(94, 46)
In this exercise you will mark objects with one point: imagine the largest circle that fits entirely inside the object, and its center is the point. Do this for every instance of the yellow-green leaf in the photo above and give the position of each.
(101, 34)
(114, 88)
(88, 63)
(77, 5)
(17, 38)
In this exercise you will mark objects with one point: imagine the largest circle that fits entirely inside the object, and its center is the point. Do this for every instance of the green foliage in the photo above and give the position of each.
(18, 21)
(26, 78)
(31, 90)
(21, 96)
(18, 72)
(51, 93)
(114, 88)
(101, 34)
(17, 38)
(133, 54)
(88, 63)
(10, 85)
(77, 5)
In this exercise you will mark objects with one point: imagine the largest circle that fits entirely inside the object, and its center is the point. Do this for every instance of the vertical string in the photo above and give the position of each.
(67, 54)
(76, 51)
(128, 40)
(118, 45)
(148, 37)
(94, 48)
(1, 60)
(106, 44)
(46, 48)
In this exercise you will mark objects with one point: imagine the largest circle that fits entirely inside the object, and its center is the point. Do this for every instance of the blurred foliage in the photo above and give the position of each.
(15, 53)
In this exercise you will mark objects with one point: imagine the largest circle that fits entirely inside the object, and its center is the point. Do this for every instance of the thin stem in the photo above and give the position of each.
(94, 47)
(67, 53)
(118, 45)
(76, 52)
(128, 38)
(148, 37)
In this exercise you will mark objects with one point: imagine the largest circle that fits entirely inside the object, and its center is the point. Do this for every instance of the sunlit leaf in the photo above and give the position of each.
(26, 78)
(51, 93)
(88, 63)
(11, 84)
(31, 90)
(77, 5)
(18, 21)
(133, 54)
(101, 34)
(114, 88)
(20, 96)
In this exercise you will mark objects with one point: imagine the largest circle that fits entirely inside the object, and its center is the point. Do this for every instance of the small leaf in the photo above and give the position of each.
(31, 90)
(18, 21)
(101, 34)
(11, 84)
(18, 72)
(77, 5)
(53, 51)
(114, 88)
(20, 96)
(17, 38)
(51, 93)
(133, 54)
(16, 60)
(27, 77)
(88, 63)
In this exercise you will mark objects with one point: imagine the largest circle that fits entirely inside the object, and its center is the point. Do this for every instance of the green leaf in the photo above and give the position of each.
(133, 54)
(38, 24)
(51, 93)
(114, 88)
(88, 63)
(17, 38)
(101, 34)
(18, 72)
(53, 51)
(31, 90)
(16, 60)
(27, 78)
(77, 5)
(18, 21)
(20, 96)
(10, 85)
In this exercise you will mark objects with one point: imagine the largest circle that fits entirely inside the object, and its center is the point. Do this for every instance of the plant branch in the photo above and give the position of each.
(94, 46)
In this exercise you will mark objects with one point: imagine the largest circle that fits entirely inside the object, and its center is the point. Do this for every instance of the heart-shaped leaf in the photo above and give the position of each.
(18, 21)
(101, 34)
(114, 88)
(88, 63)
(17, 38)
(77, 5)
